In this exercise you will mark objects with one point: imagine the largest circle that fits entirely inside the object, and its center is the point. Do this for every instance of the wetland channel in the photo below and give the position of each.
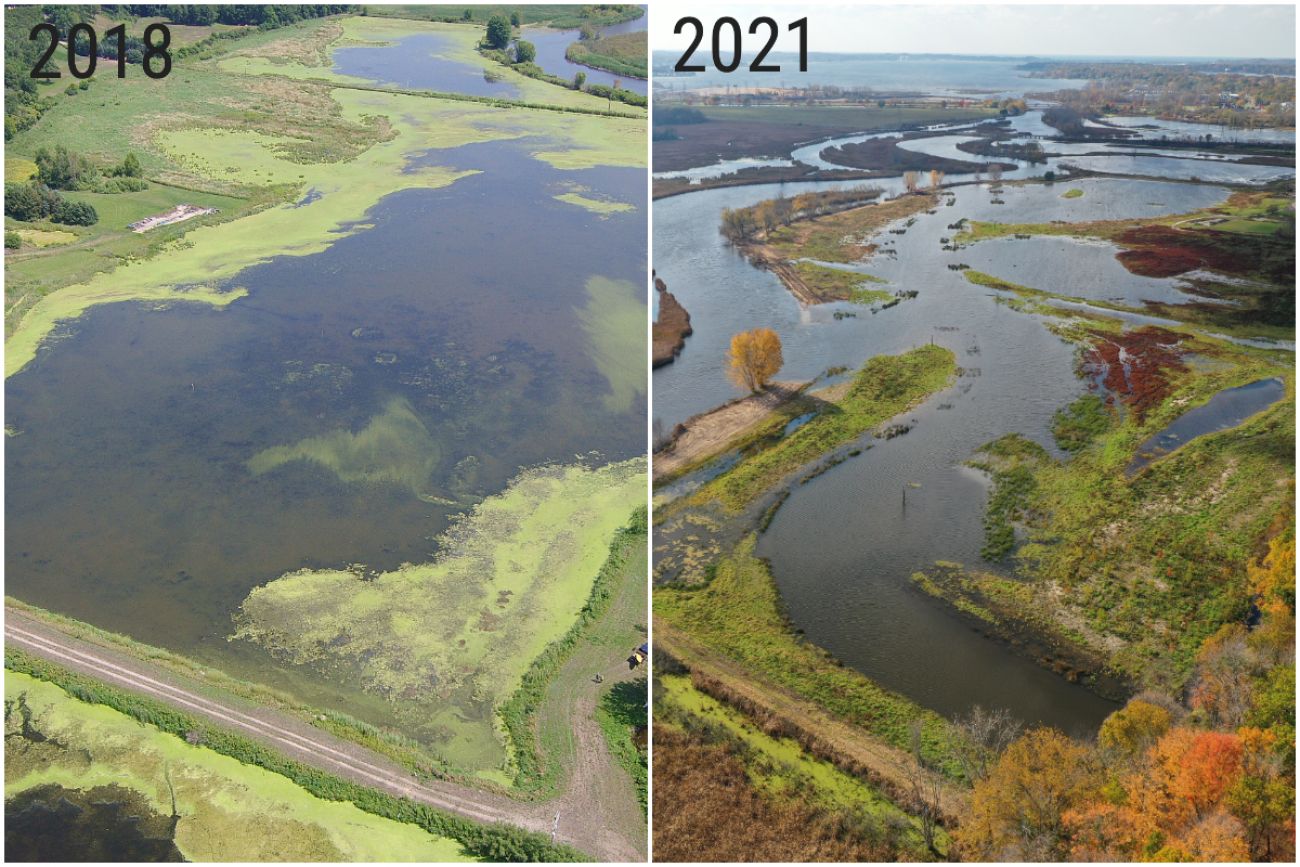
(842, 546)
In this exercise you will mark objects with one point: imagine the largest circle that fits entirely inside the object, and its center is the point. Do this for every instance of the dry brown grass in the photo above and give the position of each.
(706, 810)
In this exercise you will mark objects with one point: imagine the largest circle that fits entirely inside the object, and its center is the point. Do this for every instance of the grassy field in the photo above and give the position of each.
(621, 54)
(844, 236)
(228, 810)
(559, 15)
(1141, 568)
(834, 284)
(1145, 560)
(447, 642)
(182, 34)
(885, 386)
(621, 713)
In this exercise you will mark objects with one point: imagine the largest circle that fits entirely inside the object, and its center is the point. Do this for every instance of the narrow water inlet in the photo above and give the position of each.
(1227, 409)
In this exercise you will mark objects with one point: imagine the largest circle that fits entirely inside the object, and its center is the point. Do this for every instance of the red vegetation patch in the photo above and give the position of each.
(1162, 251)
(1135, 366)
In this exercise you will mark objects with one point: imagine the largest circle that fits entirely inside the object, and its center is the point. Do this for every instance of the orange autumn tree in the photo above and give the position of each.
(754, 358)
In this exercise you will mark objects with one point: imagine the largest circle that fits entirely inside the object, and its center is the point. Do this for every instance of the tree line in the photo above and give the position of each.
(743, 224)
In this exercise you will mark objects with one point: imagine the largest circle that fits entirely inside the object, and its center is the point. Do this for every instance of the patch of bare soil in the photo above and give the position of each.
(709, 433)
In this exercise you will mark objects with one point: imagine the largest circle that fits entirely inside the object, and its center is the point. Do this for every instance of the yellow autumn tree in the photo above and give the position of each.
(1018, 813)
(1133, 728)
(754, 358)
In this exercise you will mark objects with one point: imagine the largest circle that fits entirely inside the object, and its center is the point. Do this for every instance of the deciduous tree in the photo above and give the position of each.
(1133, 728)
(1018, 812)
(754, 358)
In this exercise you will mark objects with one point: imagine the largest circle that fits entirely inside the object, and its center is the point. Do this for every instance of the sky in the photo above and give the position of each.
(1212, 31)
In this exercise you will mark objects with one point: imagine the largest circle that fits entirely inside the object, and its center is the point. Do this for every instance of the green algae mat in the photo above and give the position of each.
(274, 131)
(447, 641)
(224, 810)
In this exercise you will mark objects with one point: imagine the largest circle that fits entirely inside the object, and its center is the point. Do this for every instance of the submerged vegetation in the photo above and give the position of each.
(446, 642)
(613, 321)
(394, 447)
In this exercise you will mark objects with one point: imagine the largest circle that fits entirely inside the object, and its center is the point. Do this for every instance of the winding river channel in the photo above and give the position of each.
(843, 546)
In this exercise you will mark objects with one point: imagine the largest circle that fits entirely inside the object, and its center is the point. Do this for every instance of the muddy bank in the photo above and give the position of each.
(710, 433)
(671, 328)
(764, 257)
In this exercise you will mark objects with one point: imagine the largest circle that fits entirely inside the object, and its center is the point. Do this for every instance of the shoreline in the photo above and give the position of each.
(670, 329)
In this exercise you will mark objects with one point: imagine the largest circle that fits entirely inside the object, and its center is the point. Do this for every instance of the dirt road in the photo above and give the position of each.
(302, 742)
(888, 766)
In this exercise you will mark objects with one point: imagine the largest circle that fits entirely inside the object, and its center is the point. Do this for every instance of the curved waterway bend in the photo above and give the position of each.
(843, 546)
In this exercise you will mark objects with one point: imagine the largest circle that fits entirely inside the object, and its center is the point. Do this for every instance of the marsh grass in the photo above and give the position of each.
(885, 386)
(738, 613)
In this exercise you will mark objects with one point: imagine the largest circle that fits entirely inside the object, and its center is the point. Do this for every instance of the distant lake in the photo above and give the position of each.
(940, 76)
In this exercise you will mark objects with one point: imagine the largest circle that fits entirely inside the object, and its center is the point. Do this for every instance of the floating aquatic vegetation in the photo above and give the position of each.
(394, 447)
(614, 321)
(445, 641)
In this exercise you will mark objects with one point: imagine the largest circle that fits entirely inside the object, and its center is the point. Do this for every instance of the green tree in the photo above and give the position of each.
(13, 240)
(61, 169)
(514, 19)
(1135, 727)
(525, 52)
(130, 167)
(498, 31)
(76, 214)
(579, 79)
(468, 15)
